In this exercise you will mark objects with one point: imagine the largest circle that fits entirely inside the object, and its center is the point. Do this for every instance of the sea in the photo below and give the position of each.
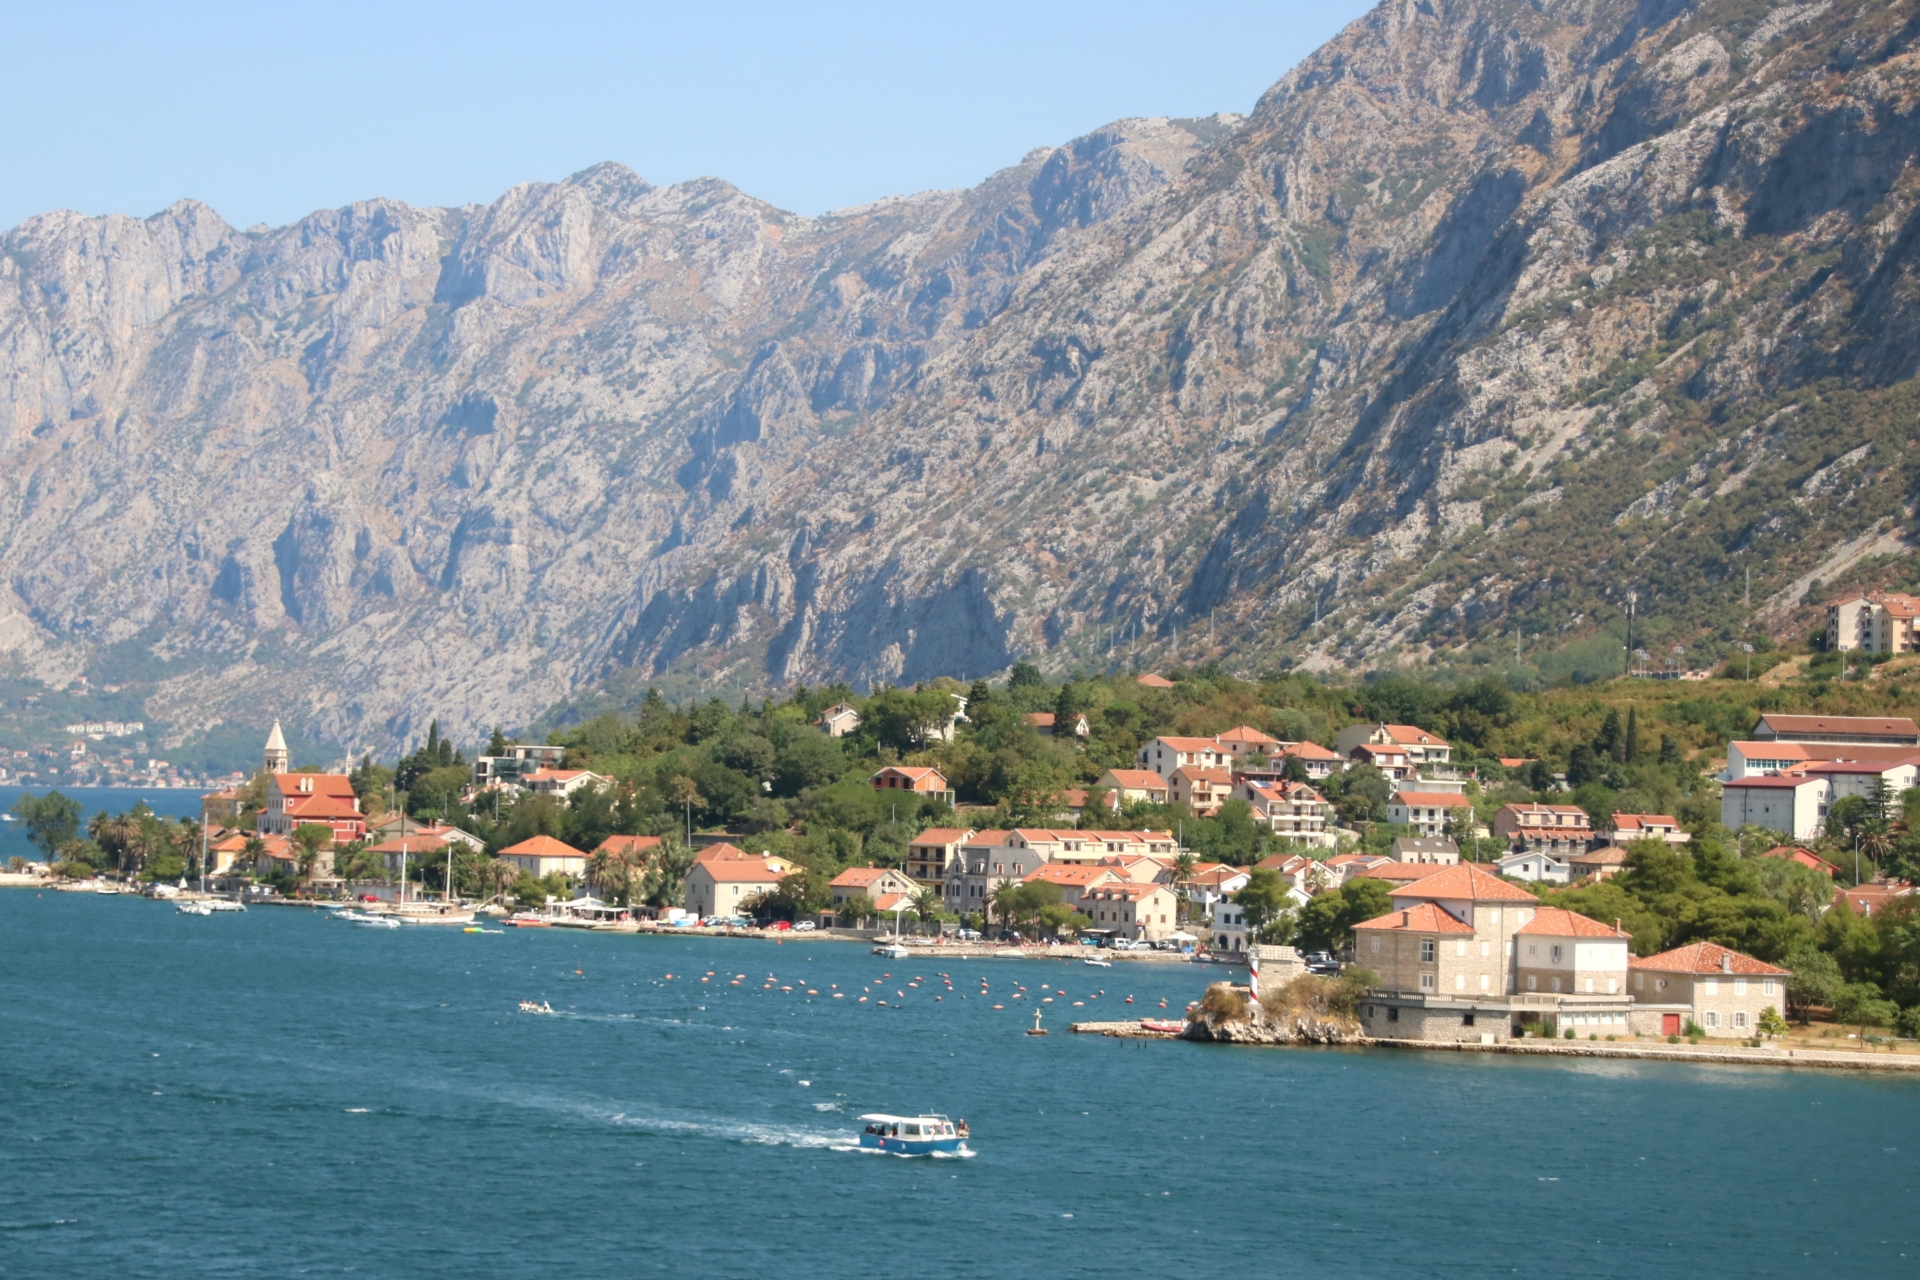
(168, 802)
(280, 1094)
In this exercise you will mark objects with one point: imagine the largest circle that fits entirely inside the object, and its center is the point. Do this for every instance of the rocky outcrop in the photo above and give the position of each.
(1227, 1017)
(1482, 315)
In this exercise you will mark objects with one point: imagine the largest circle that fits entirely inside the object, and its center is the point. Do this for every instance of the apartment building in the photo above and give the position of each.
(1878, 622)
(1558, 829)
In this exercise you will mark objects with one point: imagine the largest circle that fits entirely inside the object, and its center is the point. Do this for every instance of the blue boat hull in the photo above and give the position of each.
(912, 1146)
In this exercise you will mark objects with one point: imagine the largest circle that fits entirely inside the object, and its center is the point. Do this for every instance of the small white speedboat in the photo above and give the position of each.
(913, 1135)
(372, 922)
(193, 908)
(1097, 964)
(893, 951)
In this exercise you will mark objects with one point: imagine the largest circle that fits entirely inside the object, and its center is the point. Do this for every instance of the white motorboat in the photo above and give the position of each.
(914, 1135)
(893, 951)
(373, 922)
(1097, 964)
(218, 905)
(193, 908)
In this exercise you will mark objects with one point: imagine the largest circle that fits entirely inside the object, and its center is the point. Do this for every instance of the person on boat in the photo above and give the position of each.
(960, 1127)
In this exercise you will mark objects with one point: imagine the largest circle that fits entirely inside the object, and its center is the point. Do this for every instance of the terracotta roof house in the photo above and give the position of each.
(870, 881)
(924, 781)
(1560, 951)
(543, 855)
(1154, 682)
(1645, 826)
(1245, 740)
(1202, 790)
(1426, 811)
(1873, 896)
(1074, 879)
(1604, 863)
(1717, 988)
(1133, 786)
(562, 782)
(929, 853)
(723, 886)
(1402, 872)
(1558, 829)
(1804, 856)
(629, 848)
(1421, 747)
(1166, 753)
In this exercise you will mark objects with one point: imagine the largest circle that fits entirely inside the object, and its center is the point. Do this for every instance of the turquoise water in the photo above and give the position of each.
(275, 1094)
(168, 802)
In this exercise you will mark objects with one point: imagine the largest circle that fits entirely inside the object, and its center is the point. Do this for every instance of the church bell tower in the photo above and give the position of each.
(276, 755)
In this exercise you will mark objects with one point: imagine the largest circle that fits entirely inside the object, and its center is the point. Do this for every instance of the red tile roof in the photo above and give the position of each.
(1138, 779)
(542, 847)
(1607, 855)
(942, 835)
(1155, 682)
(1039, 719)
(1634, 821)
(1071, 873)
(1408, 735)
(1464, 881)
(1246, 733)
(1309, 751)
(1423, 917)
(1403, 872)
(1430, 800)
(1706, 958)
(1558, 922)
(743, 871)
(1219, 777)
(859, 877)
(620, 845)
(1189, 744)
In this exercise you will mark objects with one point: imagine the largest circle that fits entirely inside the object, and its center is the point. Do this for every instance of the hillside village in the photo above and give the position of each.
(1485, 892)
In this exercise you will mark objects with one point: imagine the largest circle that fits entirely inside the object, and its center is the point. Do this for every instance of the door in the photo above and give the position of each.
(1669, 1024)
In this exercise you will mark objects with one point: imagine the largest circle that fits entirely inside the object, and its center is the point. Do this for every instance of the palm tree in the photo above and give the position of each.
(927, 904)
(1876, 841)
(1183, 864)
(1005, 892)
(254, 848)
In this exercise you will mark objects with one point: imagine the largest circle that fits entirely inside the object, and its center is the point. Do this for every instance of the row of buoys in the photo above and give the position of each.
(1020, 990)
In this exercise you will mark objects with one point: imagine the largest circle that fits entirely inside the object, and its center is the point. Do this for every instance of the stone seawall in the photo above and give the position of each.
(1731, 1054)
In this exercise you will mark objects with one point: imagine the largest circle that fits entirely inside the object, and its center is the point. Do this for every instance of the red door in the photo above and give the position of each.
(1669, 1024)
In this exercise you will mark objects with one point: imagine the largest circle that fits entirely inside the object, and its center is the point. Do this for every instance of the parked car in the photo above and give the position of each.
(968, 935)
(805, 926)
(781, 924)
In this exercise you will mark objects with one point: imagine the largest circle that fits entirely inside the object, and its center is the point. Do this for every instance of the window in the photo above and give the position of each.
(1426, 951)
(1393, 1013)
(1740, 1018)
(1483, 982)
(1532, 982)
(1613, 986)
(1459, 982)
(1713, 986)
(1532, 950)
(1639, 982)
(1556, 953)
(1460, 947)
(1660, 984)
(1376, 943)
(1556, 984)
(1485, 949)
(1713, 1019)
(1426, 982)
(1739, 988)
(1767, 986)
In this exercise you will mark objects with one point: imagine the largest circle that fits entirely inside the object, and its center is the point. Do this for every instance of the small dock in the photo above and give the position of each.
(1121, 1030)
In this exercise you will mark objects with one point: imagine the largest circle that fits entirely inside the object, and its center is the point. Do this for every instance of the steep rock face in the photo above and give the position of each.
(1485, 312)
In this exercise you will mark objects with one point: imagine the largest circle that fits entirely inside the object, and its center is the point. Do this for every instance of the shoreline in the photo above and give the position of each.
(1729, 1055)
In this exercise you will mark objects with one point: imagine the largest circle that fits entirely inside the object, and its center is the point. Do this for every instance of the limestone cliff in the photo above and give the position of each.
(1487, 312)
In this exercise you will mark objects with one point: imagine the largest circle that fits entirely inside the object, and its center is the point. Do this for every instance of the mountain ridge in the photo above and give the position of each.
(1485, 314)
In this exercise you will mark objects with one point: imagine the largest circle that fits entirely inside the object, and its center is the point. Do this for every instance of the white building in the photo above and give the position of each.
(1793, 804)
(1533, 864)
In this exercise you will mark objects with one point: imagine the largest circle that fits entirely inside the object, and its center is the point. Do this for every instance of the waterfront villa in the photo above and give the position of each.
(302, 799)
(1722, 991)
(720, 886)
(873, 883)
(543, 855)
(1133, 910)
(930, 853)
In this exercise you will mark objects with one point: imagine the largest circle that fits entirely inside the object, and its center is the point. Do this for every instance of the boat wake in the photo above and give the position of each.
(857, 1149)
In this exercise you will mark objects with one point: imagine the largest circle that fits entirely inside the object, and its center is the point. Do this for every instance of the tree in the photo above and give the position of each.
(1630, 745)
(1862, 1005)
(1816, 981)
(1023, 675)
(809, 759)
(1327, 922)
(859, 907)
(927, 904)
(1266, 904)
(497, 744)
(52, 821)
(311, 838)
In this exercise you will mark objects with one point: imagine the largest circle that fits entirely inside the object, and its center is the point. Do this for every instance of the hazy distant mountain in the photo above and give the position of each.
(1486, 314)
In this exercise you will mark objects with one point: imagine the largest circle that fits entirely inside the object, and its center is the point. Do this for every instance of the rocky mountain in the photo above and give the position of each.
(1487, 314)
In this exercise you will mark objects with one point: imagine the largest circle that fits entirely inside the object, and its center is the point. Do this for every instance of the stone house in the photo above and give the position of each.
(1721, 990)
(873, 882)
(1131, 910)
(1133, 786)
(1560, 951)
(722, 886)
(1202, 790)
(1559, 829)
(930, 852)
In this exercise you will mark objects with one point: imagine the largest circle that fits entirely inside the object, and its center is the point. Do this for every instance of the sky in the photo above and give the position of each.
(267, 111)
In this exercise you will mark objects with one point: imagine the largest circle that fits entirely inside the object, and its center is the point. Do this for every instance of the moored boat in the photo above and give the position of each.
(893, 951)
(913, 1135)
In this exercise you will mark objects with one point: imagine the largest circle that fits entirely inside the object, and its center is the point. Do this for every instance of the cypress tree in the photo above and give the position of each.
(1631, 748)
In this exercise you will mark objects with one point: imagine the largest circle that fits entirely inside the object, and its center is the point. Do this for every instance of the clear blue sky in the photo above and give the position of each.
(268, 111)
